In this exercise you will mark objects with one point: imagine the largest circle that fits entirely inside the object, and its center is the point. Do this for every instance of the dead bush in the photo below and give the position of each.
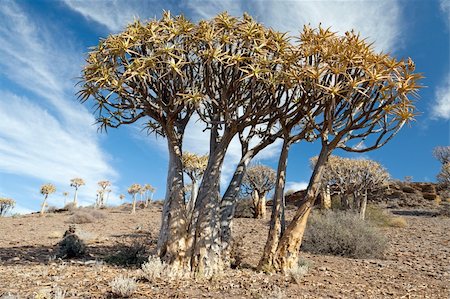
(123, 287)
(444, 209)
(130, 252)
(70, 207)
(71, 245)
(343, 234)
(81, 217)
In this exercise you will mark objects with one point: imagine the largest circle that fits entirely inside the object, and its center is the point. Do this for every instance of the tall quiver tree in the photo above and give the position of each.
(149, 189)
(364, 96)
(101, 192)
(6, 204)
(354, 178)
(133, 190)
(76, 183)
(258, 181)
(242, 65)
(193, 166)
(150, 72)
(46, 190)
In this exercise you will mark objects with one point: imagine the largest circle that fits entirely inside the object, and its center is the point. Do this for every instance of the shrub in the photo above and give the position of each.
(155, 269)
(343, 234)
(398, 222)
(70, 207)
(123, 287)
(80, 218)
(71, 245)
(380, 217)
(444, 209)
(297, 272)
(129, 253)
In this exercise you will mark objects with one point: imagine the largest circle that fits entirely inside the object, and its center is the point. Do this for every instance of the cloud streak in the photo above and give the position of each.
(44, 136)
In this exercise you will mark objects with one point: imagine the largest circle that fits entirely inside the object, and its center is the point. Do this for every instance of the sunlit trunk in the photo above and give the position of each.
(266, 262)
(44, 204)
(362, 211)
(286, 255)
(260, 205)
(133, 209)
(191, 203)
(326, 198)
(75, 197)
(171, 245)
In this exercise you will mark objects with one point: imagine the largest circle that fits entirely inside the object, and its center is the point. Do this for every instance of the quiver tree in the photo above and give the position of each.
(133, 190)
(101, 193)
(442, 154)
(6, 204)
(257, 183)
(353, 178)
(46, 190)
(65, 194)
(148, 189)
(76, 183)
(150, 72)
(363, 96)
(444, 176)
(193, 166)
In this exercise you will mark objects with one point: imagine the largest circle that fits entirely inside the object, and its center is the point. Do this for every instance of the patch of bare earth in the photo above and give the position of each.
(416, 264)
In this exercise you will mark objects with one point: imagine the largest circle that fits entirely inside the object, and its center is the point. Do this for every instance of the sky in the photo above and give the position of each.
(48, 136)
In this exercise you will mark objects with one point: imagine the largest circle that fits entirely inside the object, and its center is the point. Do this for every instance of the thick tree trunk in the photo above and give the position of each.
(266, 262)
(206, 249)
(362, 211)
(172, 245)
(259, 201)
(191, 203)
(286, 255)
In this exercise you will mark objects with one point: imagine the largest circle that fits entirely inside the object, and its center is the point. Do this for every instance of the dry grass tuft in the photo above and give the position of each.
(398, 222)
(123, 287)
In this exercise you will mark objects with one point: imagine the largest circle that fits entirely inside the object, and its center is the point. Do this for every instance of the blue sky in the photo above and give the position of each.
(46, 135)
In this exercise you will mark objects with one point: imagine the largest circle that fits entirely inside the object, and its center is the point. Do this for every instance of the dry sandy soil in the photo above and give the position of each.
(416, 264)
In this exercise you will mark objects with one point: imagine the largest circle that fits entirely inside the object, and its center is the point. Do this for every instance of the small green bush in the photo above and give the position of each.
(343, 234)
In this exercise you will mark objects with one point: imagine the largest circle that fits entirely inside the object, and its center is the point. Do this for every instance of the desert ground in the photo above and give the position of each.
(416, 264)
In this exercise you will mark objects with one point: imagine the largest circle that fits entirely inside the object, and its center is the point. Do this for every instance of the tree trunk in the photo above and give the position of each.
(75, 197)
(266, 262)
(44, 204)
(286, 255)
(191, 203)
(206, 249)
(362, 211)
(260, 205)
(171, 245)
(326, 198)
(133, 209)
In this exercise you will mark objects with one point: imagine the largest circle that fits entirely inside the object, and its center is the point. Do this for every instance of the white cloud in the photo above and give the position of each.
(441, 108)
(296, 186)
(377, 20)
(46, 136)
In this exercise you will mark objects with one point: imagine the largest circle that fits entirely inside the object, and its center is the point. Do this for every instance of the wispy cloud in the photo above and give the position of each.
(296, 186)
(441, 107)
(45, 135)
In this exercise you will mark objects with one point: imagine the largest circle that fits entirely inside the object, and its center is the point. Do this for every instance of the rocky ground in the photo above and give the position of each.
(416, 264)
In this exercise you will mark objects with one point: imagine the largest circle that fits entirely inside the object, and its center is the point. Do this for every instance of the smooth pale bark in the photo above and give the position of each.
(191, 203)
(44, 204)
(259, 204)
(75, 198)
(266, 262)
(206, 248)
(326, 198)
(362, 211)
(286, 256)
(171, 245)
(133, 209)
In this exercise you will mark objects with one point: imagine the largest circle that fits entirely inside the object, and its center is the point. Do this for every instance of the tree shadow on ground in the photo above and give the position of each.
(420, 213)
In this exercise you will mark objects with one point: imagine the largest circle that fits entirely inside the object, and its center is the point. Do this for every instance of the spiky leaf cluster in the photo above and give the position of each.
(258, 178)
(134, 189)
(194, 165)
(48, 189)
(77, 182)
(347, 175)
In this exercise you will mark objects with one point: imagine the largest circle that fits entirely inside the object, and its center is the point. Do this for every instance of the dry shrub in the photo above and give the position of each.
(70, 207)
(398, 222)
(80, 217)
(130, 252)
(444, 209)
(71, 245)
(155, 270)
(123, 287)
(343, 234)
(85, 215)
(297, 272)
